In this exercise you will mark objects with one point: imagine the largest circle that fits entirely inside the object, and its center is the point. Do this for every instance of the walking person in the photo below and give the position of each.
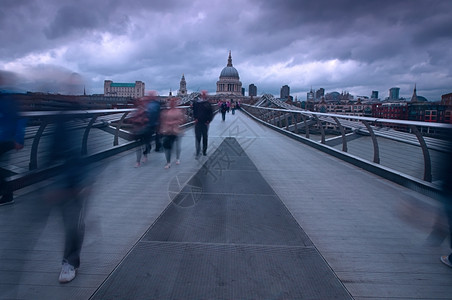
(447, 199)
(153, 113)
(145, 123)
(69, 189)
(141, 131)
(223, 110)
(233, 107)
(12, 131)
(171, 120)
(203, 115)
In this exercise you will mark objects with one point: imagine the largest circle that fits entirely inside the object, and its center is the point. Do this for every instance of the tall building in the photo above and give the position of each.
(374, 95)
(114, 89)
(319, 93)
(229, 82)
(394, 93)
(252, 90)
(446, 99)
(182, 87)
(285, 92)
(310, 95)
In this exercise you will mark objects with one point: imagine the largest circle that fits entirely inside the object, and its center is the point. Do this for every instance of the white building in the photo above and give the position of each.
(134, 90)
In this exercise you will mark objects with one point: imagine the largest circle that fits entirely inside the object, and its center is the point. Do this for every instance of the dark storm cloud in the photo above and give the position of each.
(72, 19)
(390, 22)
(341, 44)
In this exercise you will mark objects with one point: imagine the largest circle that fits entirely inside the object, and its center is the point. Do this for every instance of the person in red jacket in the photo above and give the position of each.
(171, 120)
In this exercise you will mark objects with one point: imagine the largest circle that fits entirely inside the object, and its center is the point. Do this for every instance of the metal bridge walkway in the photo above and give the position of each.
(261, 217)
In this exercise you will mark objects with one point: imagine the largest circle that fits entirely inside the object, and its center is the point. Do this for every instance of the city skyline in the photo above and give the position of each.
(344, 45)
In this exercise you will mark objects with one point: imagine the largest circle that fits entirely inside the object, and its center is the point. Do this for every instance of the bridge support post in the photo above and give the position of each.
(374, 141)
(306, 126)
(118, 127)
(322, 130)
(427, 161)
(295, 117)
(34, 147)
(344, 139)
(86, 134)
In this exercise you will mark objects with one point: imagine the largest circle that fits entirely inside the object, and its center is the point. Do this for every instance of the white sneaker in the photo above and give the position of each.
(445, 260)
(67, 273)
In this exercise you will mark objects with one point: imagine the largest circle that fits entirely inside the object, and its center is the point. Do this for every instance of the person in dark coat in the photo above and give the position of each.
(223, 110)
(203, 115)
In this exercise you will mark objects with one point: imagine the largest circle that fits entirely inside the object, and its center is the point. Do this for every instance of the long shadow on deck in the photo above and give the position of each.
(226, 235)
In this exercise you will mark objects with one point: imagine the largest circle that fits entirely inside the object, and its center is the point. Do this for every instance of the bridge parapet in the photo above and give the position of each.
(427, 137)
(102, 133)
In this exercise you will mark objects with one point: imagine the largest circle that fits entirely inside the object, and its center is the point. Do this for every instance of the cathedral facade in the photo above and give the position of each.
(229, 82)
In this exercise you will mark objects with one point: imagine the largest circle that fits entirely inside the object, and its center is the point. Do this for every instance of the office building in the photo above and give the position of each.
(285, 92)
(394, 93)
(374, 95)
(252, 90)
(133, 90)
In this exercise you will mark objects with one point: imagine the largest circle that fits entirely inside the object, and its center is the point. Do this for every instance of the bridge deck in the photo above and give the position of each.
(262, 216)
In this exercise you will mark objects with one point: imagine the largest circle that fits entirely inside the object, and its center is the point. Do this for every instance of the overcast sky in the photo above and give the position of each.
(340, 45)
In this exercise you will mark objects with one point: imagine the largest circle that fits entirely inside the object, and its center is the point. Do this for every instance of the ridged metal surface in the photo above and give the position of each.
(159, 270)
(226, 235)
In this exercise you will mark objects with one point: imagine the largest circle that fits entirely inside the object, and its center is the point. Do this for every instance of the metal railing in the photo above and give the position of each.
(26, 166)
(427, 136)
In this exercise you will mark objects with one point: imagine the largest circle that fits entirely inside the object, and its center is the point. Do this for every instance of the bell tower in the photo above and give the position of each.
(183, 87)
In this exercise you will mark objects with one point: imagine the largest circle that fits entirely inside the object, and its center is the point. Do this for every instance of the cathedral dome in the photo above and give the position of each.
(230, 72)
(229, 81)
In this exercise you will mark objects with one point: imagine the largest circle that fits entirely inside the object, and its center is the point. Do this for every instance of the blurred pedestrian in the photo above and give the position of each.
(71, 184)
(203, 115)
(12, 131)
(171, 120)
(153, 112)
(141, 131)
(447, 198)
(67, 190)
(223, 110)
(145, 122)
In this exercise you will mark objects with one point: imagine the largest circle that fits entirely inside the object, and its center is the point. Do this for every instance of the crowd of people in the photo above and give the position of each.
(160, 123)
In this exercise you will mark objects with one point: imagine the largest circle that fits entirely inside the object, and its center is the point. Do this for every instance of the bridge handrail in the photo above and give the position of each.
(287, 119)
(359, 118)
(39, 123)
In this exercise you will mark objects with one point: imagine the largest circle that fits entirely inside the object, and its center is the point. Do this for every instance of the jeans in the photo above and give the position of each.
(168, 143)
